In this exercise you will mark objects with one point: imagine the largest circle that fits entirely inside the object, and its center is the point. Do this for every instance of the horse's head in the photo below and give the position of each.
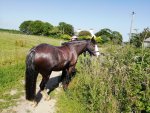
(92, 47)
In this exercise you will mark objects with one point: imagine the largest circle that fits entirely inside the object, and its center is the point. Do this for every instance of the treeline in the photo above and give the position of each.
(65, 31)
(38, 27)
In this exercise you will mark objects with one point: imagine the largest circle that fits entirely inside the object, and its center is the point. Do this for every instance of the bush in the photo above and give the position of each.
(84, 37)
(84, 33)
(117, 82)
(65, 37)
(99, 40)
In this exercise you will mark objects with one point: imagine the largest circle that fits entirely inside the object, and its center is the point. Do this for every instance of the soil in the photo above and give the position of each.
(44, 106)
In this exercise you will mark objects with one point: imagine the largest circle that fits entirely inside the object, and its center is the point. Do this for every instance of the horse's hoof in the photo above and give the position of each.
(65, 86)
(60, 85)
(47, 98)
(34, 104)
(65, 89)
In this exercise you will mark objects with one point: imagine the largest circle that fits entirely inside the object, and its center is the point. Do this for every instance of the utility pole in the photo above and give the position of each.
(133, 13)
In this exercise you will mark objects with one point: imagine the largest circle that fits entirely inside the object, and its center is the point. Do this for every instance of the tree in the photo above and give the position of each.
(138, 38)
(66, 28)
(47, 27)
(84, 33)
(108, 35)
(36, 27)
(116, 37)
(24, 27)
(55, 32)
(105, 34)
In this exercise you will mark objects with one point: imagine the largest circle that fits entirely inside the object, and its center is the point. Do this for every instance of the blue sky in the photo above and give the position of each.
(82, 14)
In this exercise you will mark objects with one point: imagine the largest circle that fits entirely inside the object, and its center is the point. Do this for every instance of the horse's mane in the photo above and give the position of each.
(75, 42)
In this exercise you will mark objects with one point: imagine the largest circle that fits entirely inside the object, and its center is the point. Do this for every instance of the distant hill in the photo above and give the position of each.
(10, 31)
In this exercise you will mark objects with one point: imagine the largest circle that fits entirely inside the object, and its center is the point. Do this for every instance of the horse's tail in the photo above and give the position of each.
(30, 76)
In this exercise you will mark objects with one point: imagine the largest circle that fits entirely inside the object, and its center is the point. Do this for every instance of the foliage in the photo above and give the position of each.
(138, 38)
(117, 82)
(36, 27)
(99, 39)
(44, 28)
(110, 36)
(116, 37)
(55, 32)
(24, 27)
(47, 27)
(84, 37)
(66, 28)
(84, 33)
(65, 37)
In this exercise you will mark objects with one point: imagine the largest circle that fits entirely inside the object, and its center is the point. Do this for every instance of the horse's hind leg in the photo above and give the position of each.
(43, 84)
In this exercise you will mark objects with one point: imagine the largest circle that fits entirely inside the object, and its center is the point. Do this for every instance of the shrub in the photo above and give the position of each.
(117, 82)
(84, 37)
(65, 37)
(99, 40)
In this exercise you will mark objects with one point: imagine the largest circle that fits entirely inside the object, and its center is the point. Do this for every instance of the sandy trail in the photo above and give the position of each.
(24, 106)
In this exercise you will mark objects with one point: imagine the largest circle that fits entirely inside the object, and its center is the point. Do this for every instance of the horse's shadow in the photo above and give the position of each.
(52, 84)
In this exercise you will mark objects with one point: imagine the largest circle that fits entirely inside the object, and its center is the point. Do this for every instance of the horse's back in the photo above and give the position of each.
(49, 57)
(43, 47)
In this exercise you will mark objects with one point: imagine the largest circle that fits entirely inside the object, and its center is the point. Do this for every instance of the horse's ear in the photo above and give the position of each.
(93, 40)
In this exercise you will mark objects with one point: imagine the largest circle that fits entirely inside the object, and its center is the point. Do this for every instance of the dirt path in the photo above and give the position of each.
(43, 106)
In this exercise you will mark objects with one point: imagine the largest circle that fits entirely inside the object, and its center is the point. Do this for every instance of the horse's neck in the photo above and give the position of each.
(79, 48)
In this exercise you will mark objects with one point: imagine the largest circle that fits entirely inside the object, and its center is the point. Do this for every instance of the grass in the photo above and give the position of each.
(16, 46)
(11, 79)
(13, 50)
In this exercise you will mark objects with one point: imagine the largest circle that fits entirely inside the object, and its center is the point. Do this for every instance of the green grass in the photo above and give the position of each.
(11, 79)
(15, 46)
(13, 50)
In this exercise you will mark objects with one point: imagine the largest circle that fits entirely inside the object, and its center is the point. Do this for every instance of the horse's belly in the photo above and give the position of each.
(60, 66)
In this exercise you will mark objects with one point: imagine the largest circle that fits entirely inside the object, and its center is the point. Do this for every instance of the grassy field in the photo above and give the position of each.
(13, 50)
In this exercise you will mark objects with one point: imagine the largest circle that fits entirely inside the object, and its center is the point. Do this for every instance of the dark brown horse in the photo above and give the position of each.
(46, 58)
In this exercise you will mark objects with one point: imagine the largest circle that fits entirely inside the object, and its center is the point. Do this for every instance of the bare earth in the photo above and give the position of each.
(44, 106)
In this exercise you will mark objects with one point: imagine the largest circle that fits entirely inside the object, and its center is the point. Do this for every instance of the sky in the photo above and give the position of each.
(82, 14)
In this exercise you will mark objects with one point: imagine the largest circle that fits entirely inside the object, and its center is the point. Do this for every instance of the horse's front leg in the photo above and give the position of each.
(73, 71)
(66, 76)
(64, 79)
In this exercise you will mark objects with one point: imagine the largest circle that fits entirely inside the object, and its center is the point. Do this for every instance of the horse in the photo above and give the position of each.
(45, 58)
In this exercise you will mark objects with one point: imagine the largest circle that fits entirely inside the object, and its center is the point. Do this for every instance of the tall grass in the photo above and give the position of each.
(117, 82)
